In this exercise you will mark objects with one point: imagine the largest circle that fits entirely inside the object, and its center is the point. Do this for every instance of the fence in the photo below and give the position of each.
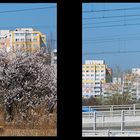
(109, 133)
(119, 119)
(113, 107)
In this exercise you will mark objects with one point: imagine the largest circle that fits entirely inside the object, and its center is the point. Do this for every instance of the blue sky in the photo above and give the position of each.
(118, 38)
(44, 20)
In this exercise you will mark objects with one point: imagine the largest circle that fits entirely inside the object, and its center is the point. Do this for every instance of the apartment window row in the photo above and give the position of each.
(88, 75)
(29, 45)
(88, 66)
(88, 71)
(27, 40)
(23, 34)
(86, 78)
(19, 34)
(100, 66)
(99, 79)
(93, 71)
(94, 75)
(94, 66)
(99, 71)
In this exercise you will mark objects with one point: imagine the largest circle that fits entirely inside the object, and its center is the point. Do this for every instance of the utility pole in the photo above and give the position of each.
(117, 90)
(122, 82)
(26, 44)
(101, 91)
(50, 44)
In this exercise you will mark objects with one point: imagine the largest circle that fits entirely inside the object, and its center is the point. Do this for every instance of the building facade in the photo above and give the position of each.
(94, 75)
(54, 56)
(4, 39)
(136, 71)
(22, 41)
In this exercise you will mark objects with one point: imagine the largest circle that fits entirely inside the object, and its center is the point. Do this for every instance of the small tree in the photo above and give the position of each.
(27, 82)
(91, 101)
(118, 99)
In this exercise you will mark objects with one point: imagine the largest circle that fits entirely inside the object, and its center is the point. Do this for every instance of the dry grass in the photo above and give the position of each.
(28, 132)
(38, 127)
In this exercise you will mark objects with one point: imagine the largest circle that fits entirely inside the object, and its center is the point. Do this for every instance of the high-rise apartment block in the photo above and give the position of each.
(22, 41)
(94, 75)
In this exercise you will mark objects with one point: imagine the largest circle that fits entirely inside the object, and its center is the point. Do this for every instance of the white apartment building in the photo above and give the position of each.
(117, 80)
(54, 57)
(93, 76)
(136, 71)
(22, 41)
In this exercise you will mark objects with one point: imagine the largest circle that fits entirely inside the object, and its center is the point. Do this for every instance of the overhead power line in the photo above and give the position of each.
(86, 27)
(18, 3)
(111, 52)
(104, 36)
(30, 26)
(112, 17)
(30, 9)
(108, 10)
(111, 21)
(111, 40)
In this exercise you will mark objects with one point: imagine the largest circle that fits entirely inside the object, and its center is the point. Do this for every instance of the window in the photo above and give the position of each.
(87, 70)
(97, 91)
(17, 39)
(28, 40)
(16, 34)
(22, 34)
(35, 40)
(28, 34)
(22, 39)
(35, 34)
(35, 45)
(87, 66)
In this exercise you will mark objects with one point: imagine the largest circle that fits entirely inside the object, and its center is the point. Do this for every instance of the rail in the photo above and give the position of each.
(113, 107)
(119, 119)
(109, 133)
